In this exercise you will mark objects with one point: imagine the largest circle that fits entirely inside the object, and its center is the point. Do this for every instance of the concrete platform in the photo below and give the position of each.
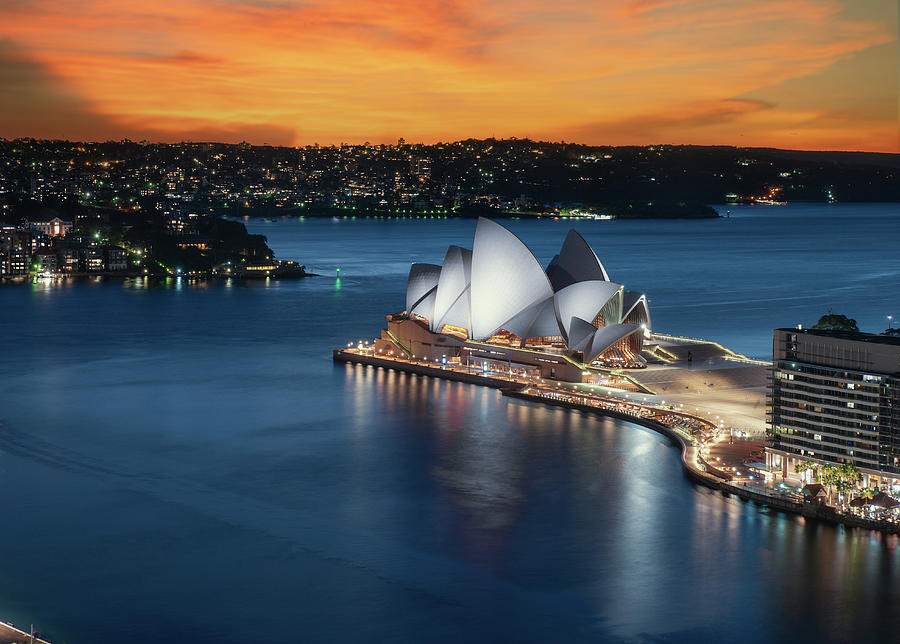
(9, 634)
(717, 386)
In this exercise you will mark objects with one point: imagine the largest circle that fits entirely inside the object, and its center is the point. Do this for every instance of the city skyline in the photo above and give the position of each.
(789, 74)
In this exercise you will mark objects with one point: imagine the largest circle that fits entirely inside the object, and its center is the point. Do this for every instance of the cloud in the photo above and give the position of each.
(678, 124)
(637, 7)
(851, 105)
(33, 102)
(329, 70)
(193, 57)
(36, 103)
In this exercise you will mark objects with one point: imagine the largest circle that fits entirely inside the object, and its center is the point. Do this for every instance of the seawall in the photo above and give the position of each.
(423, 370)
(699, 473)
(9, 634)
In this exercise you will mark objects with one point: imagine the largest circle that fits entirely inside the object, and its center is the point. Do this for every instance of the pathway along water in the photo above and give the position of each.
(658, 419)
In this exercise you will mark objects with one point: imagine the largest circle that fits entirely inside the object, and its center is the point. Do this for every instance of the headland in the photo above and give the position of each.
(567, 335)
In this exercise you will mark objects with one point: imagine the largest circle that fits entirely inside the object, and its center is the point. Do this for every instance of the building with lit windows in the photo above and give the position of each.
(49, 224)
(44, 261)
(15, 252)
(835, 398)
(495, 304)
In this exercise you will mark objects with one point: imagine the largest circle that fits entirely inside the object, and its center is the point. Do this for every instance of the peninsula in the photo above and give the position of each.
(567, 335)
(64, 238)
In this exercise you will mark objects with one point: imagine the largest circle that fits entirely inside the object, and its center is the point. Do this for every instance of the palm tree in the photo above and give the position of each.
(840, 478)
(849, 472)
(800, 468)
(829, 478)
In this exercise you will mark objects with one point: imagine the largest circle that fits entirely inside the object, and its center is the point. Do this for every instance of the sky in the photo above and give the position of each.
(803, 74)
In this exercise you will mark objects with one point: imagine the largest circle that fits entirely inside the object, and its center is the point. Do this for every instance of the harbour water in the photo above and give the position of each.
(183, 460)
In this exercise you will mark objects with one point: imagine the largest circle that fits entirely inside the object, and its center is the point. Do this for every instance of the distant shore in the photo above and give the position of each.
(663, 211)
(126, 275)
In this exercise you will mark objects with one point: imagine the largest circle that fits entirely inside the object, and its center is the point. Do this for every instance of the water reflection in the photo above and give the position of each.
(207, 445)
(476, 465)
(564, 502)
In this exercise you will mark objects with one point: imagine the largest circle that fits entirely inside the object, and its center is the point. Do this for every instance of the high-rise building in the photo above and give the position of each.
(835, 398)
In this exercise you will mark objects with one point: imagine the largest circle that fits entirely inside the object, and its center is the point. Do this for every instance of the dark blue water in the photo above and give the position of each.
(185, 461)
(732, 279)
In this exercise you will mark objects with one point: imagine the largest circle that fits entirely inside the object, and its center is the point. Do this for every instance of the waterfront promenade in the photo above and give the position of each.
(9, 634)
(701, 439)
(694, 433)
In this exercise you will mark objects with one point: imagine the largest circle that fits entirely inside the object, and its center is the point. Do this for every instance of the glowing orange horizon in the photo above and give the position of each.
(813, 74)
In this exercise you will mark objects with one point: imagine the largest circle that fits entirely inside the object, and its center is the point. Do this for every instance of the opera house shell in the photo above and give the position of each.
(499, 289)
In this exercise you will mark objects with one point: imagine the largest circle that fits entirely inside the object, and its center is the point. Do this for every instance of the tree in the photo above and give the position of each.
(799, 468)
(891, 331)
(848, 472)
(828, 478)
(840, 478)
(835, 322)
(843, 485)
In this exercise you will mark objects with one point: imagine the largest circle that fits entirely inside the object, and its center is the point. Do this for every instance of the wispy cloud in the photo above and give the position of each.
(331, 70)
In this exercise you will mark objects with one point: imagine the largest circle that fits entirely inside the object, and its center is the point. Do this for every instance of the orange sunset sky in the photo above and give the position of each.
(816, 74)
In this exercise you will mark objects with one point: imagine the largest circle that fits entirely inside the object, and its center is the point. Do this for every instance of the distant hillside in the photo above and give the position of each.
(494, 176)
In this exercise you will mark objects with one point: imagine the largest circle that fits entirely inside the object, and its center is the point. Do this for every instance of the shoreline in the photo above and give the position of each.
(131, 275)
(337, 212)
(697, 470)
(9, 634)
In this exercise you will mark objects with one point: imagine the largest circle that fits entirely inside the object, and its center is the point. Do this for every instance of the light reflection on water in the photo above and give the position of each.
(173, 457)
(658, 556)
(733, 279)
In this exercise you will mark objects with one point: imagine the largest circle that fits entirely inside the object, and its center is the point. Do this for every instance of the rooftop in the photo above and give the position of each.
(857, 336)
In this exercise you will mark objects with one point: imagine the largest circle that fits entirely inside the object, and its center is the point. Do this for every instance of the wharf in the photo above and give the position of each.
(695, 467)
(447, 372)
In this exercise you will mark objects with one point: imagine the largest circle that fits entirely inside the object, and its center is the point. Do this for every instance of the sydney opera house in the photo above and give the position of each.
(495, 305)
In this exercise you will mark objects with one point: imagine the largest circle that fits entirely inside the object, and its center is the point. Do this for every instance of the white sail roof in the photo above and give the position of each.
(451, 304)
(580, 333)
(583, 300)
(422, 278)
(536, 321)
(576, 262)
(605, 337)
(425, 306)
(506, 279)
(636, 308)
(500, 285)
